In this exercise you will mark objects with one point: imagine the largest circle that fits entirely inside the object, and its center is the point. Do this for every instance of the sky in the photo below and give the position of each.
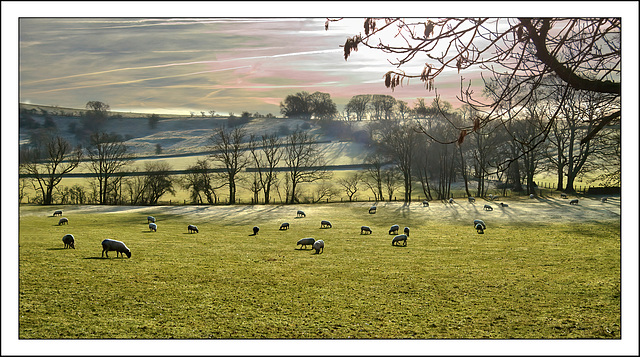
(179, 64)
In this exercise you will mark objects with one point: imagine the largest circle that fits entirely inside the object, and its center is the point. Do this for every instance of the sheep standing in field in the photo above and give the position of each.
(57, 213)
(365, 230)
(284, 226)
(151, 219)
(406, 231)
(255, 230)
(325, 224)
(487, 208)
(300, 214)
(109, 245)
(318, 246)
(153, 227)
(479, 225)
(472, 199)
(532, 196)
(372, 210)
(63, 220)
(191, 228)
(304, 242)
(502, 204)
(399, 238)
(69, 241)
(425, 203)
(394, 229)
(563, 195)
(573, 202)
(450, 200)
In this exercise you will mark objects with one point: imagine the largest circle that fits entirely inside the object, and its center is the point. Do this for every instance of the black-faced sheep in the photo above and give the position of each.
(563, 195)
(450, 200)
(502, 204)
(394, 229)
(109, 245)
(365, 230)
(487, 208)
(191, 229)
(63, 220)
(372, 210)
(425, 203)
(399, 238)
(325, 224)
(284, 226)
(57, 213)
(153, 227)
(406, 231)
(304, 242)
(255, 230)
(151, 219)
(301, 214)
(573, 202)
(69, 241)
(479, 229)
(472, 199)
(318, 246)
(479, 225)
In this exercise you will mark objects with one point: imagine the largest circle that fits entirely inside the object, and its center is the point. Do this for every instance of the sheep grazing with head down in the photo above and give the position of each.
(365, 230)
(399, 238)
(69, 241)
(450, 200)
(372, 210)
(255, 230)
(425, 203)
(472, 199)
(284, 226)
(63, 220)
(479, 225)
(153, 227)
(563, 195)
(502, 204)
(300, 214)
(573, 202)
(394, 229)
(57, 213)
(151, 219)
(325, 224)
(318, 246)
(487, 208)
(406, 231)
(304, 242)
(109, 245)
(191, 229)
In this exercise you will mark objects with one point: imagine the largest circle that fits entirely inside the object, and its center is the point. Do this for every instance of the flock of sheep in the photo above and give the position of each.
(121, 249)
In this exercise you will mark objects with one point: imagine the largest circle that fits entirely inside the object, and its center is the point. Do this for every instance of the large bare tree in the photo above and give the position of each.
(266, 153)
(305, 161)
(107, 155)
(228, 150)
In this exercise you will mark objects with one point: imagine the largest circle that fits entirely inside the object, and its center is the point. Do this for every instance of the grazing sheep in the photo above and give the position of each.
(284, 226)
(301, 214)
(472, 199)
(406, 231)
(305, 242)
(57, 213)
(318, 246)
(191, 228)
(479, 228)
(532, 196)
(110, 245)
(255, 230)
(63, 220)
(372, 210)
(573, 202)
(153, 227)
(394, 229)
(425, 203)
(399, 238)
(69, 241)
(504, 204)
(325, 224)
(450, 200)
(479, 222)
(487, 208)
(151, 219)
(365, 229)
(563, 195)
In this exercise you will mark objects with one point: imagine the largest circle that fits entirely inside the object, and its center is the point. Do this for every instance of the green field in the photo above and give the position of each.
(541, 280)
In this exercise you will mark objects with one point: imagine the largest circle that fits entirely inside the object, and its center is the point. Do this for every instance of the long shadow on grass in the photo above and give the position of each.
(56, 248)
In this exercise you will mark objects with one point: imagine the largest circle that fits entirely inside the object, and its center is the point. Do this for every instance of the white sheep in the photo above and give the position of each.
(487, 208)
(563, 195)
(399, 238)
(532, 196)
(372, 210)
(394, 229)
(284, 226)
(318, 246)
(191, 228)
(365, 230)
(479, 225)
(153, 227)
(305, 242)
(69, 241)
(301, 214)
(425, 203)
(57, 213)
(406, 231)
(573, 202)
(325, 224)
(151, 219)
(63, 220)
(450, 200)
(109, 245)
(472, 199)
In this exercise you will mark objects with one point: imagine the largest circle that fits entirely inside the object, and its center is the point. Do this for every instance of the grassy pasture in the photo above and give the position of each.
(550, 280)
